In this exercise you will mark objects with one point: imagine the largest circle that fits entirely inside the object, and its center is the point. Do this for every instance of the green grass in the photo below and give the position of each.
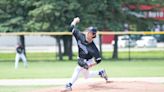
(47, 66)
(64, 69)
(30, 56)
(52, 56)
(137, 55)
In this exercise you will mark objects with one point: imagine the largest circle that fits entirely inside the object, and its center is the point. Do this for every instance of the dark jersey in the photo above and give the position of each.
(86, 50)
(19, 49)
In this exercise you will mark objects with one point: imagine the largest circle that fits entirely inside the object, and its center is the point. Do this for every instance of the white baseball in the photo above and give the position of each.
(77, 19)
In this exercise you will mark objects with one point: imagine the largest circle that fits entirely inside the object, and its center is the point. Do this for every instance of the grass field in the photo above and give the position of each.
(45, 65)
(38, 56)
(64, 69)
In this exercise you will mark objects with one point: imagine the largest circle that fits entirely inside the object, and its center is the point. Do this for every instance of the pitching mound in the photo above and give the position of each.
(114, 86)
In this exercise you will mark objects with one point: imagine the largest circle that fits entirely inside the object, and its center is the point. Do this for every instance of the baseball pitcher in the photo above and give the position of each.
(88, 54)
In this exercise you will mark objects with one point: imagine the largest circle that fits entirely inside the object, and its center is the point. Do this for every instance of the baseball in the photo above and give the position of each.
(77, 19)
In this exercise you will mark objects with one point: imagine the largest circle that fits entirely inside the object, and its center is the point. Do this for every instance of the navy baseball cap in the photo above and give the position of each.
(92, 29)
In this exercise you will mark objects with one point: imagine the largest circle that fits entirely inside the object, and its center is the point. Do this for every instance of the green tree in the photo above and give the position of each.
(105, 14)
(14, 17)
(56, 15)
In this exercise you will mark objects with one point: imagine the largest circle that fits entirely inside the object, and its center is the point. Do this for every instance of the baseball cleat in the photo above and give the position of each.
(103, 74)
(68, 87)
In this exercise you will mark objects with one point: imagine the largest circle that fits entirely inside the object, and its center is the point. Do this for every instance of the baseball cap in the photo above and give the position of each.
(92, 29)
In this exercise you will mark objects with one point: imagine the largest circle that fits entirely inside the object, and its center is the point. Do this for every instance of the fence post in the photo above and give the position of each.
(129, 47)
(100, 45)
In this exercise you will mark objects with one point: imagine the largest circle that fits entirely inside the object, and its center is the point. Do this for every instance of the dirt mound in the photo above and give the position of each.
(114, 86)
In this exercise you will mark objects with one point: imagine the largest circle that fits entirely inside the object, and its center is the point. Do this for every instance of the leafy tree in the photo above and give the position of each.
(56, 15)
(14, 17)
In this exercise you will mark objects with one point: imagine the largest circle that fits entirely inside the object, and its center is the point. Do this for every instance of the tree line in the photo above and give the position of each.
(56, 15)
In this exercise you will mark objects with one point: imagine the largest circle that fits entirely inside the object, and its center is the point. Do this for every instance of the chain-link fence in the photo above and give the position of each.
(112, 45)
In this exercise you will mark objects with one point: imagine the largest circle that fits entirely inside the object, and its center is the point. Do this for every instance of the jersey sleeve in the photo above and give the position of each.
(76, 33)
(97, 56)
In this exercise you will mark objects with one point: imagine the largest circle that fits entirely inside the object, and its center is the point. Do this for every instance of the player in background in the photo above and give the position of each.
(20, 55)
(88, 54)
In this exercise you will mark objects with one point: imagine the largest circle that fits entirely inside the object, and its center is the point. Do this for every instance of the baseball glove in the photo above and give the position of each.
(82, 63)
